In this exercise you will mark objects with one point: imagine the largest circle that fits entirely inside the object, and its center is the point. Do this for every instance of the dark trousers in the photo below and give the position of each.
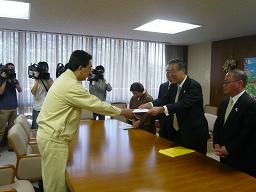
(7, 117)
(34, 117)
(165, 126)
(197, 144)
(101, 117)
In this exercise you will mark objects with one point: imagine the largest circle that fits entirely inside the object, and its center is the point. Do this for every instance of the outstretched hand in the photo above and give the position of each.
(155, 110)
(127, 113)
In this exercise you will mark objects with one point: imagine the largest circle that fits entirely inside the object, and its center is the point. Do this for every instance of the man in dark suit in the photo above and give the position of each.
(234, 129)
(164, 121)
(184, 102)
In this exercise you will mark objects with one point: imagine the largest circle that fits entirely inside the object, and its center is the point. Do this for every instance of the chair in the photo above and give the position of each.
(22, 119)
(8, 182)
(28, 166)
(210, 120)
(210, 109)
(121, 105)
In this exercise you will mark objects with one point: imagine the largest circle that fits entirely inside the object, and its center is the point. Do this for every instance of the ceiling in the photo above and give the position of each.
(220, 19)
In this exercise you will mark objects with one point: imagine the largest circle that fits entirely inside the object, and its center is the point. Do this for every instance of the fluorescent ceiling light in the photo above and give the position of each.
(14, 9)
(165, 26)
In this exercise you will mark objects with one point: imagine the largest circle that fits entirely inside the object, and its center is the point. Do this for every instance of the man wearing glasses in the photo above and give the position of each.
(234, 129)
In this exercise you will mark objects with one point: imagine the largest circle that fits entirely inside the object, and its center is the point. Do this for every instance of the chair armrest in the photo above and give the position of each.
(32, 142)
(8, 190)
(33, 148)
(7, 174)
(33, 133)
(29, 167)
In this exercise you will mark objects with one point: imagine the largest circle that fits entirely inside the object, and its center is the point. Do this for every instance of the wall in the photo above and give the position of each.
(199, 66)
(238, 49)
(176, 52)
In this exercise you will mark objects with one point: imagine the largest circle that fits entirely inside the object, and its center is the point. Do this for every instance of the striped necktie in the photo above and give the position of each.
(175, 121)
(229, 108)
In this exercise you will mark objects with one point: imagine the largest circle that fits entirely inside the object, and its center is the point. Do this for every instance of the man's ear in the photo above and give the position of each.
(80, 67)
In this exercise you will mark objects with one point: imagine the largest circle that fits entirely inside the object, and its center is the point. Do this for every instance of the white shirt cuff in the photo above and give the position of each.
(165, 110)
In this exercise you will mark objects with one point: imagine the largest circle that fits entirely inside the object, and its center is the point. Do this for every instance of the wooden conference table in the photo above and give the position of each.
(106, 157)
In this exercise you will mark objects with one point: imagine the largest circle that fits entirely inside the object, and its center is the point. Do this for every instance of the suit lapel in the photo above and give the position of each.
(184, 87)
(173, 91)
(236, 108)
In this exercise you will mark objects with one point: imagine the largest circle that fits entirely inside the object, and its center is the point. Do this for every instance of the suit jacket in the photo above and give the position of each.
(193, 127)
(164, 120)
(238, 133)
(163, 89)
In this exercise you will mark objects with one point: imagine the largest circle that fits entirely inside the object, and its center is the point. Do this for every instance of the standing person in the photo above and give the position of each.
(8, 99)
(140, 96)
(59, 118)
(164, 121)
(43, 82)
(184, 102)
(234, 129)
(98, 86)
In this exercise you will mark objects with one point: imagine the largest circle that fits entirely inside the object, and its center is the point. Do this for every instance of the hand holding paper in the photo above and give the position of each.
(146, 106)
(140, 111)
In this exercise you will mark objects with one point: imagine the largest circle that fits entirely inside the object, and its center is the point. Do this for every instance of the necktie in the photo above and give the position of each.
(229, 108)
(175, 121)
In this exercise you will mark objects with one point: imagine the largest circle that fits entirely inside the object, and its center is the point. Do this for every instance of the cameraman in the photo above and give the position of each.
(43, 82)
(99, 87)
(8, 99)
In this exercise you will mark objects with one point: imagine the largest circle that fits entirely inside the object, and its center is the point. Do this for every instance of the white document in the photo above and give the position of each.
(140, 111)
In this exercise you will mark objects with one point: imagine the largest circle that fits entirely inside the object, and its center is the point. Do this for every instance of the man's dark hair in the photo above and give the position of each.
(7, 64)
(137, 87)
(42, 65)
(181, 64)
(77, 58)
(239, 75)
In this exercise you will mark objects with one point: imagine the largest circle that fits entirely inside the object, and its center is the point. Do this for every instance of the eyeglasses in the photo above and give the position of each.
(227, 82)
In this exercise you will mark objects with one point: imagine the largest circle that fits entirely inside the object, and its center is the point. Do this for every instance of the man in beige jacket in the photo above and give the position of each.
(59, 118)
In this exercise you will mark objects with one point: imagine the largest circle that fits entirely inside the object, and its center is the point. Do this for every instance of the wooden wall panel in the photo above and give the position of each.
(237, 48)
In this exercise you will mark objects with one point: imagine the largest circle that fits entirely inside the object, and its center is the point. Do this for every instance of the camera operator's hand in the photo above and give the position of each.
(3, 75)
(36, 74)
(3, 83)
(17, 85)
(93, 76)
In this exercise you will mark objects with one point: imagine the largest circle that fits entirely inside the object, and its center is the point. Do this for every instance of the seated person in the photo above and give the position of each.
(140, 96)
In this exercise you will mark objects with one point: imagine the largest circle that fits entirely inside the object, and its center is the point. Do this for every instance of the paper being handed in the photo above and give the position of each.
(140, 111)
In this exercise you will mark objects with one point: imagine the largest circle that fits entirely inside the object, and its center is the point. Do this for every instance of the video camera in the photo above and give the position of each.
(10, 73)
(41, 68)
(98, 72)
(60, 69)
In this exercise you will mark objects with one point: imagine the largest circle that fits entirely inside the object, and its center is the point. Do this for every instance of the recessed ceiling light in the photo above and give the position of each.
(14, 9)
(165, 26)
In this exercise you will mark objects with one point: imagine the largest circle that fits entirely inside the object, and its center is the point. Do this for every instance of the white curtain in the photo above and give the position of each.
(125, 61)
